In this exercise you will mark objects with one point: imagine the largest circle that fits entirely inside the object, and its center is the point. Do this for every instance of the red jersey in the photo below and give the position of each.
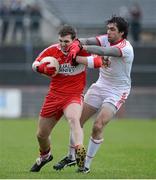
(70, 79)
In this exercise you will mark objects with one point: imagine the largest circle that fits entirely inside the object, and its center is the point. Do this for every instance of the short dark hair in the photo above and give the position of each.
(121, 24)
(67, 30)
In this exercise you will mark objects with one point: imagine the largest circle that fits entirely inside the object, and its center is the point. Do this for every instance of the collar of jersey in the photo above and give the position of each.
(112, 44)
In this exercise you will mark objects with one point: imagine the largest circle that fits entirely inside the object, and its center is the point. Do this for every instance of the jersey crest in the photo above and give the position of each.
(68, 69)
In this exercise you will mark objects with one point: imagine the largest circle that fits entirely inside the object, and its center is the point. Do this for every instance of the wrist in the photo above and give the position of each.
(84, 47)
(94, 62)
(90, 62)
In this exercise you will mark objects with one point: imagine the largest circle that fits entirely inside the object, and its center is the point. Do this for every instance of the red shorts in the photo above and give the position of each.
(54, 105)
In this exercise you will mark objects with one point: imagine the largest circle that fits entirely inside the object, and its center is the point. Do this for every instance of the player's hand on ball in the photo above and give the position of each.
(44, 69)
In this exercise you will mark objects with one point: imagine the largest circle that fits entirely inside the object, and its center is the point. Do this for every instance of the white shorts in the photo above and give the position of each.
(97, 96)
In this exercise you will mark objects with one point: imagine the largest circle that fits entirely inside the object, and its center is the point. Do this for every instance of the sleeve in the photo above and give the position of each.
(102, 39)
(46, 52)
(127, 52)
(84, 53)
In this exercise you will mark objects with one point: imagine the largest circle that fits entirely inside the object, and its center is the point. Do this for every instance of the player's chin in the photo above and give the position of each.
(64, 49)
(110, 40)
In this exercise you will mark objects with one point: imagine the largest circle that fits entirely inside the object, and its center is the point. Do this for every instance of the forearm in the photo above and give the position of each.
(89, 41)
(103, 51)
(90, 61)
(81, 60)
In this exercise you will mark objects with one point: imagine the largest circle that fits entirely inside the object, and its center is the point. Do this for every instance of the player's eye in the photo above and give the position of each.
(65, 41)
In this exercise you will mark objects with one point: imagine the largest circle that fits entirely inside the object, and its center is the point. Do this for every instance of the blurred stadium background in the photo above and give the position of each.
(22, 91)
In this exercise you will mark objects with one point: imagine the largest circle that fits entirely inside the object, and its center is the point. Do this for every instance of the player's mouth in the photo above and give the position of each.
(109, 38)
(64, 50)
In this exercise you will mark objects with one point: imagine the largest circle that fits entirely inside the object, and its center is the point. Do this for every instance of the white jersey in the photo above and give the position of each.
(117, 75)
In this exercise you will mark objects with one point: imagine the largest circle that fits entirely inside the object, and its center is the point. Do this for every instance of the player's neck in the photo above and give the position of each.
(116, 42)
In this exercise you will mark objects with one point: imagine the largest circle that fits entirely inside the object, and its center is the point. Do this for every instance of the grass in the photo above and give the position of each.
(128, 151)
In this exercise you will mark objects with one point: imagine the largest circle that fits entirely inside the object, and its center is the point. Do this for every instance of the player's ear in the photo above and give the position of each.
(122, 33)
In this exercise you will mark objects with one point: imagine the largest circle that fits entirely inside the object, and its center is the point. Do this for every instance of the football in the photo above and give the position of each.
(53, 63)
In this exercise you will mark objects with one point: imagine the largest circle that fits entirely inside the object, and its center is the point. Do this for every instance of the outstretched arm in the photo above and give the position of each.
(89, 41)
(90, 61)
(103, 51)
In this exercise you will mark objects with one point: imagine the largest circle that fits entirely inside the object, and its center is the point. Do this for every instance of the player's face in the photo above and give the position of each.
(64, 42)
(113, 33)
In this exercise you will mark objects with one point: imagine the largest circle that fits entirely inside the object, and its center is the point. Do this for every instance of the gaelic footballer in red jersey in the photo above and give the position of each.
(64, 97)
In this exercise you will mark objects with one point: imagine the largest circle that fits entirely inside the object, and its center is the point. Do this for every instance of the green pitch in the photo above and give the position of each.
(128, 151)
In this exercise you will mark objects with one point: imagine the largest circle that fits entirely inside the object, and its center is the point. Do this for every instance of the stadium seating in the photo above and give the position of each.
(92, 14)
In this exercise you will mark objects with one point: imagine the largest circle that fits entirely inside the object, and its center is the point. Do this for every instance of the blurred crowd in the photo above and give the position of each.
(19, 22)
(133, 14)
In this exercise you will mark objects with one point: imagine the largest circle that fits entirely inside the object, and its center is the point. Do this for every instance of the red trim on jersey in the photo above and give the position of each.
(122, 100)
(98, 41)
(122, 44)
(112, 44)
(120, 51)
(98, 37)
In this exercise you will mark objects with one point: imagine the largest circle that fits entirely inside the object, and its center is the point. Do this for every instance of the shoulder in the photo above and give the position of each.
(126, 48)
(125, 44)
(51, 48)
(102, 39)
(83, 53)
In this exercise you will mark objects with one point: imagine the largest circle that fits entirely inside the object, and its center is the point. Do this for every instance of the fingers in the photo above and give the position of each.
(46, 63)
(74, 56)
